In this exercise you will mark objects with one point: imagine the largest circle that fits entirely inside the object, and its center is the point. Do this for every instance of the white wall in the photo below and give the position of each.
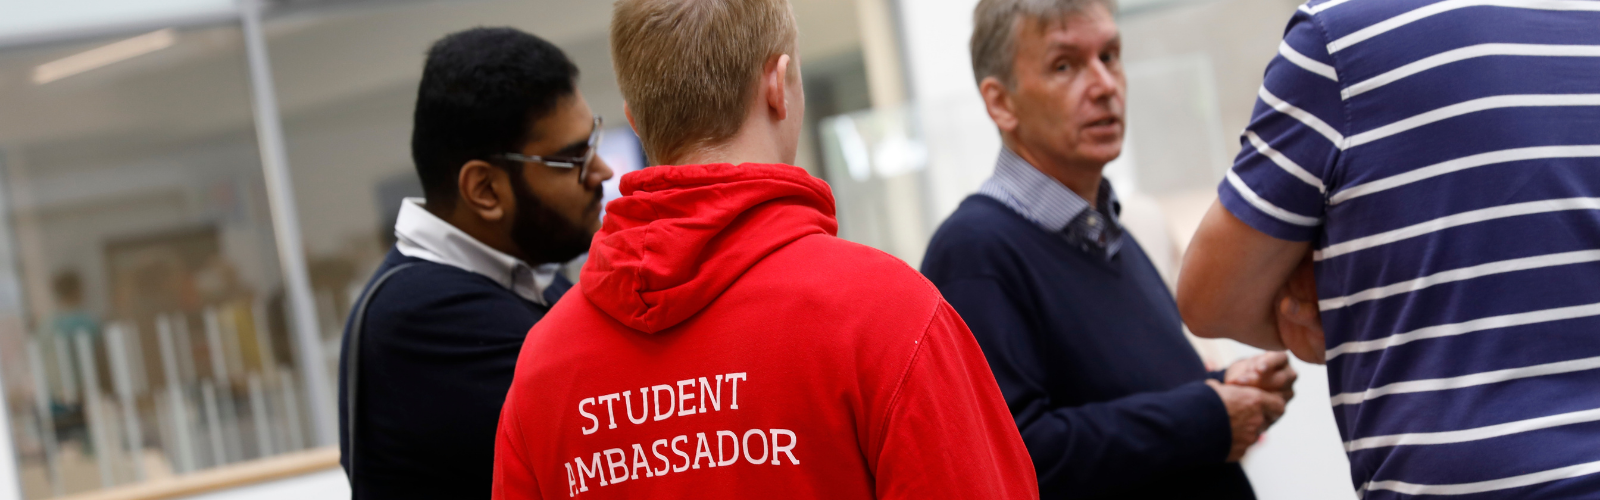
(962, 142)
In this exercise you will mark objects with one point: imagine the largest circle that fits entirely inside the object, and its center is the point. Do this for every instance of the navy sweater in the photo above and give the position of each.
(437, 354)
(1108, 394)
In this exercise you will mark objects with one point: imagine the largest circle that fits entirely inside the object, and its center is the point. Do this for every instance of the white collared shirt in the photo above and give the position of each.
(425, 236)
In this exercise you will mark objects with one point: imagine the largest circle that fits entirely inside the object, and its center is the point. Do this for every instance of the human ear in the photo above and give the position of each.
(997, 100)
(484, 190)
(628, 112)
(775, 78)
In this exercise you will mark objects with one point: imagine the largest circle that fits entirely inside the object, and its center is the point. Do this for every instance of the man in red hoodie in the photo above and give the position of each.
(726, 344)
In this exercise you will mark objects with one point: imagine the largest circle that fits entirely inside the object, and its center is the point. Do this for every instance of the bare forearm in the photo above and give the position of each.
(1230, 280)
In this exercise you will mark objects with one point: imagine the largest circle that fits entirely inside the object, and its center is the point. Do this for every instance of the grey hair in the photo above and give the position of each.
(994, 31)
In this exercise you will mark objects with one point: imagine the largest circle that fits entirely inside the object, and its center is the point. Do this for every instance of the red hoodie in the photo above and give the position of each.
(728, 345)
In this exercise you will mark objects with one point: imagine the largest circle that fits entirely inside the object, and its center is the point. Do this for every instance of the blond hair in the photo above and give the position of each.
(689, 69)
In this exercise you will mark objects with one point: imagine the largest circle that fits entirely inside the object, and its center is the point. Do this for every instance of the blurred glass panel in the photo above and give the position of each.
(876, 164)
(1134, 7)
(26, 19)
(1193, 71)
(1175, 140)
(347, 84)
(142, 331)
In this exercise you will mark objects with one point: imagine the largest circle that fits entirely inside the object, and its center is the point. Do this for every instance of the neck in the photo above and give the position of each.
(1082, 178)
(484, 231)
(759, 141)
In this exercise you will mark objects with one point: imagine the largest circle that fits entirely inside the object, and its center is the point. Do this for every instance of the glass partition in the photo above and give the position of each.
(347, 83)
(142, 330)
(875, 162)
(143, 324)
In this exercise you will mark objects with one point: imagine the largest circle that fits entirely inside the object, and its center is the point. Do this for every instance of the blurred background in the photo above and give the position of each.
(193, 192)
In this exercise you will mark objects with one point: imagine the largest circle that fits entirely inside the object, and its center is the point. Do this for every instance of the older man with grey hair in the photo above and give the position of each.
(1080, 331)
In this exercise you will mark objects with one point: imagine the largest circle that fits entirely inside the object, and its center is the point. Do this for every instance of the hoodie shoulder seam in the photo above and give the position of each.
(899, 388)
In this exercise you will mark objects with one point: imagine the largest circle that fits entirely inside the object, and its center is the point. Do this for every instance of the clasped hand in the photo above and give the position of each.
(1255, 391)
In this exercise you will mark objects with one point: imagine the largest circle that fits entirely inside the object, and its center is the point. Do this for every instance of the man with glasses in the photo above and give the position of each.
(505, 149)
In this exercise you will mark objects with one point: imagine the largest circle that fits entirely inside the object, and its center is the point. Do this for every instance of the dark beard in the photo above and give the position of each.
(543, 235)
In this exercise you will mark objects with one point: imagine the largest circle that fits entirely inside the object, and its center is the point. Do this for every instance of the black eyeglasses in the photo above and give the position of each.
(580, 162)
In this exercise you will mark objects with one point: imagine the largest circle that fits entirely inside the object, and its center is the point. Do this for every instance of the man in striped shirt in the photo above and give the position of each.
(1436, 166)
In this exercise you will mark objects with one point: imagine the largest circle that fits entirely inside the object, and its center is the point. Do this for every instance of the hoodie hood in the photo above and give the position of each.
(680, 235)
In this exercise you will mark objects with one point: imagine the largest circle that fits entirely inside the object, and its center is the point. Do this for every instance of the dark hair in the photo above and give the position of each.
(480, 90)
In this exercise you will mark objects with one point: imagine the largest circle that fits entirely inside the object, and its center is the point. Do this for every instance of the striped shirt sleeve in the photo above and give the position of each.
(1277, 182)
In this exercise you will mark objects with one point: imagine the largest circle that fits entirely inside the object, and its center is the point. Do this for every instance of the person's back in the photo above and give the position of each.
(741, 350)
(1443, 159)
(724, 342)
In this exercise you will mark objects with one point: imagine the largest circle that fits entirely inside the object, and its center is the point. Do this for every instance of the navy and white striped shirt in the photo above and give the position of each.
(1443, 157)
